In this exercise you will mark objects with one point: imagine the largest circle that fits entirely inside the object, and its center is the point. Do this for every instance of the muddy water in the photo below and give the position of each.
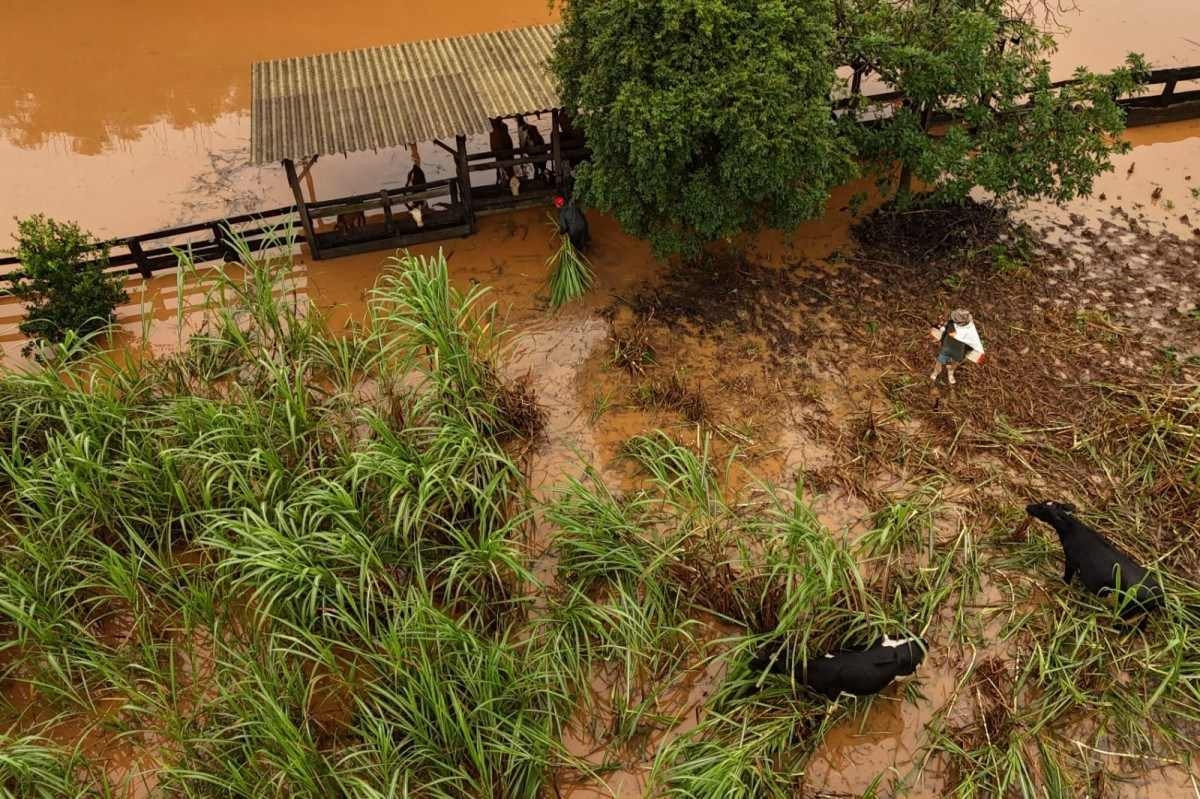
(1158, 186)
(133, 115)
(144, 124)
(1099, 33)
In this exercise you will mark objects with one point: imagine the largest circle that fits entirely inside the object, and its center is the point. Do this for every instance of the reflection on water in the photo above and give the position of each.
(100, 72)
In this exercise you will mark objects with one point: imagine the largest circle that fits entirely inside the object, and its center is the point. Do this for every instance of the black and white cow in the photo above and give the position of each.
(1101, 567)
(861, 672)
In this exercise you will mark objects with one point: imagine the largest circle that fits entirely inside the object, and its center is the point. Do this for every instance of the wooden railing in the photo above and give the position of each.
(1167, 78)
(202, 241)
(385, 199)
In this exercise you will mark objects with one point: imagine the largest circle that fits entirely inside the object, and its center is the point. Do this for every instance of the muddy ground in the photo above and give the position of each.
(816, 369)
(818, 372)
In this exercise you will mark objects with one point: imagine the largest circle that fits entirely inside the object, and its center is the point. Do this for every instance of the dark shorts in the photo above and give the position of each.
(952, 351)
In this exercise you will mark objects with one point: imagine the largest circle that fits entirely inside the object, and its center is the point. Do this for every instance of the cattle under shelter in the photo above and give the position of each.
(439, 90)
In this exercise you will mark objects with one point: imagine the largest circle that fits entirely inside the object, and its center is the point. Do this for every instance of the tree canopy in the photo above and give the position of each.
(707, 118)
(704, 117)
(1013, 133)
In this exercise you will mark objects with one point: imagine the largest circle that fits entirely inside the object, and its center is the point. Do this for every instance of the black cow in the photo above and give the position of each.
(1101, 567)
(861, 672)
(501, 143)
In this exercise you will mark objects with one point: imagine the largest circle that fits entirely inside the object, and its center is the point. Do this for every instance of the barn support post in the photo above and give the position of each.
(556, 150)
(464, 179)
(385, 200)
(310, 234)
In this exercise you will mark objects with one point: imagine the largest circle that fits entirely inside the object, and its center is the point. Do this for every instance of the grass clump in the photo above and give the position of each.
(35, 768)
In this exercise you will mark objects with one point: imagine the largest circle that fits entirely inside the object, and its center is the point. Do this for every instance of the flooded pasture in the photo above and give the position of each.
(800, 362)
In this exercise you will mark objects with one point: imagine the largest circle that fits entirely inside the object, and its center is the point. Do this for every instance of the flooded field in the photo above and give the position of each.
(160, 136)
(801, 357)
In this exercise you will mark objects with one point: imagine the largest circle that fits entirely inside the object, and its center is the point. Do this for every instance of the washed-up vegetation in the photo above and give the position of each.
(1033, 687)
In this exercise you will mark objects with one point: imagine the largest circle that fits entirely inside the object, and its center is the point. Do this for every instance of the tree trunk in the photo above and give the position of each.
(904, 186)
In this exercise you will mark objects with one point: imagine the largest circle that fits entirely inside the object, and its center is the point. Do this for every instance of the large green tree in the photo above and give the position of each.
(705, 118)
(1013, 133)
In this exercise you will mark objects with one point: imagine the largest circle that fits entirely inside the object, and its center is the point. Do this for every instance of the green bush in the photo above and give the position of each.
(64, 281)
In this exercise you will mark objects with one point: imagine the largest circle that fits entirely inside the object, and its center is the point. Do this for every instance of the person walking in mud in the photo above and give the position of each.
(572, 223)
(959, 341)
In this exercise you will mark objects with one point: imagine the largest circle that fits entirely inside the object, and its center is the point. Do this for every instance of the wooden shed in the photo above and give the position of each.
(395, 96)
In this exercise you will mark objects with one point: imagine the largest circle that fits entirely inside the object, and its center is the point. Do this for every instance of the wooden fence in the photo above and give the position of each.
(449, 211)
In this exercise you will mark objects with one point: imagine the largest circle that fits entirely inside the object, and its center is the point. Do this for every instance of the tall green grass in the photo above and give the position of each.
(203, 555)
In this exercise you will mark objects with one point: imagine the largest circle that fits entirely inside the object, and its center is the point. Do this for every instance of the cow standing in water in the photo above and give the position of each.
(501, 144)
(572, 223)
(860, 672)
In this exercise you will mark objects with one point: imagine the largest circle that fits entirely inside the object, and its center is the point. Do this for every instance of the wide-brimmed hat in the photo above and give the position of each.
(960, 316)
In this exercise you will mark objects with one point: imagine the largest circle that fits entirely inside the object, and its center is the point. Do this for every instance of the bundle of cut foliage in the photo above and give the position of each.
(570, 273)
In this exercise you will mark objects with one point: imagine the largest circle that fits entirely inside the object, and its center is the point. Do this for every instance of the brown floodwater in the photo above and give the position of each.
(133, 116)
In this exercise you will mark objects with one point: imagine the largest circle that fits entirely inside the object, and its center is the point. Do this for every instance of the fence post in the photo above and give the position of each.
(139, 257)
(556, 150)
(387, 210)
(223, 245)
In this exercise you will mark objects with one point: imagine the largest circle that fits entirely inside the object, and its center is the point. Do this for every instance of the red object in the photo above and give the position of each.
(559, 202)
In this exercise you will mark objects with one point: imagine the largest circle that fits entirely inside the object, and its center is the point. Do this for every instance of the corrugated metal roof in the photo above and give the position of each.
(390, 96)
